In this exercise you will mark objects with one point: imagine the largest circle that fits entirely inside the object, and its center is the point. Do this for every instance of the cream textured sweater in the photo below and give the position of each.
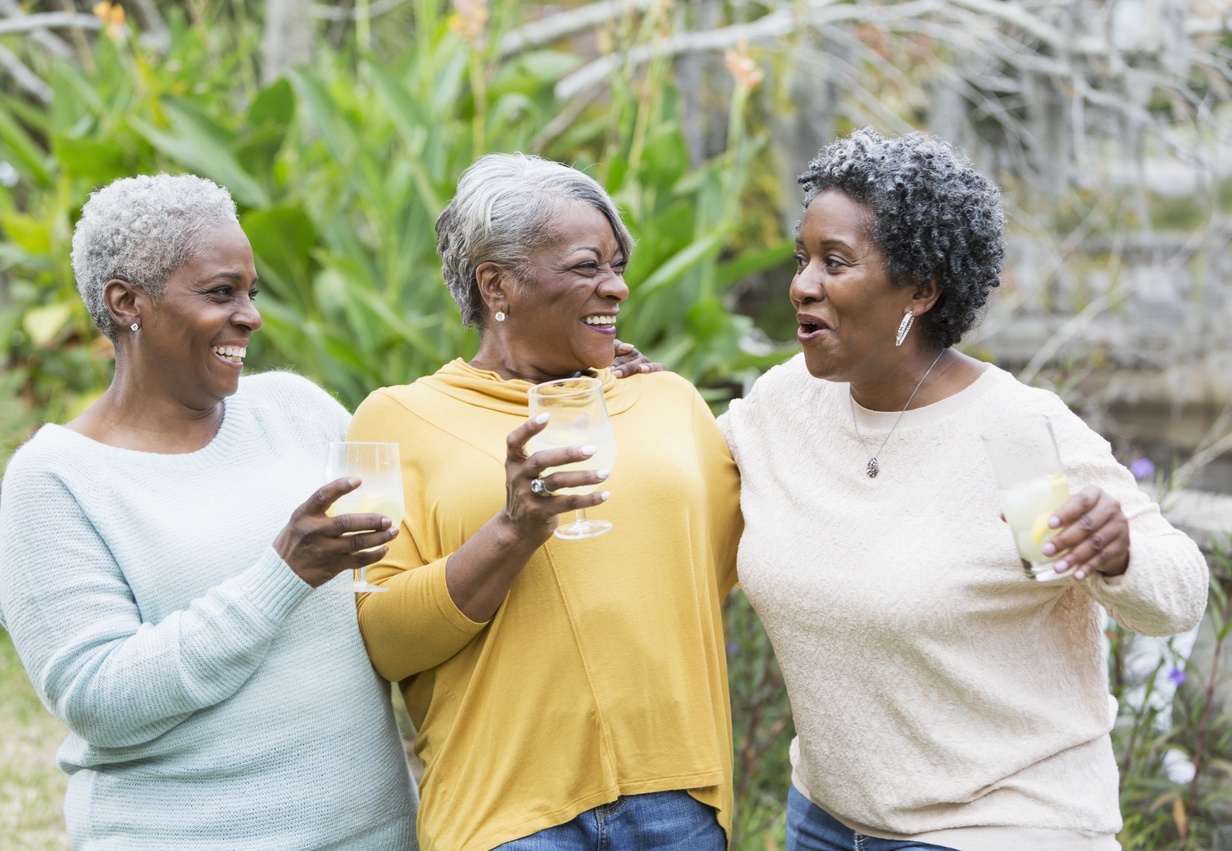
(937, 692)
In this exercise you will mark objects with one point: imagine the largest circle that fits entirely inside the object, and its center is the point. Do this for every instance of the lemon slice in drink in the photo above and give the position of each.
(1040, 530)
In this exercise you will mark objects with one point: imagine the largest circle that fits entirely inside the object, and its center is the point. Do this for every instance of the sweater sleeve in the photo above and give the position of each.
(1164, 589)
(723, 492)
(111, 678)
(417, 625)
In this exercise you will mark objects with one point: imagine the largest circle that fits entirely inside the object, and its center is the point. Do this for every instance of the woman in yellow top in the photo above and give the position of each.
(562, 690)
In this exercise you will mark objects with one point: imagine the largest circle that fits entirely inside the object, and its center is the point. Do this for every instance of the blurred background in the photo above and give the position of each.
(341, 126)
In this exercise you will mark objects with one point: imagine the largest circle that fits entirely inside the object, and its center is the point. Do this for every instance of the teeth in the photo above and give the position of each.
(234, 354)
(600, 320)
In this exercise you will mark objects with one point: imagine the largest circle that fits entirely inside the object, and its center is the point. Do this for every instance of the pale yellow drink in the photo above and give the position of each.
(362, 502)
(600, 437)
(1028, 505)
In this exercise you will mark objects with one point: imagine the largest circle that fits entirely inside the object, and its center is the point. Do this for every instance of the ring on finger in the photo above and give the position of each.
(539, 487)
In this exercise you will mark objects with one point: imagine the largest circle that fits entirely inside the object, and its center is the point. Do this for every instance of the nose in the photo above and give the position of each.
(805, 288)
(613, 286)
(248, 316)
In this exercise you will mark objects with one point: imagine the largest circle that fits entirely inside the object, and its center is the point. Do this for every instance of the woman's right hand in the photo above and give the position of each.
(532, 515)
(319, 547)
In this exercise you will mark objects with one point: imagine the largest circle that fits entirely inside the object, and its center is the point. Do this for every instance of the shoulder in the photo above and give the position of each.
(282, 386)
(782, 389)
(394, 400)
(286, 400)
(52, 452)
(281, 389)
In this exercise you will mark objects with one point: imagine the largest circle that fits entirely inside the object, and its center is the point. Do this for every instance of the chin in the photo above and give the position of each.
(817, 366)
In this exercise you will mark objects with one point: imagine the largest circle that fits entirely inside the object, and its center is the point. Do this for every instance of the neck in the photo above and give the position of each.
(129, 416)
(904, 386)
(510, 368)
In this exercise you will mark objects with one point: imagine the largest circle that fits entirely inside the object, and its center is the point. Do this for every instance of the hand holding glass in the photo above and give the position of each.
(379, 470)
(577, 416)
(1031, 481)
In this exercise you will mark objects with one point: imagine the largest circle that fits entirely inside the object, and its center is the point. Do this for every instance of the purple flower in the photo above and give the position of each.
(1142, 468)
(733, 648)
(1176, 676)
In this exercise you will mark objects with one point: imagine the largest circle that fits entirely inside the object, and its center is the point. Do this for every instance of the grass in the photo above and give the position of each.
(31, 787)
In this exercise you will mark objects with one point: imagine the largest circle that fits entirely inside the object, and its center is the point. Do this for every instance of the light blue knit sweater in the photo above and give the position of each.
(214, 699)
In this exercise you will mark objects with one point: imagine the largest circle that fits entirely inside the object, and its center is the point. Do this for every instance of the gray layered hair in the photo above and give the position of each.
(506, 207)
(140, 230)
(934, 217)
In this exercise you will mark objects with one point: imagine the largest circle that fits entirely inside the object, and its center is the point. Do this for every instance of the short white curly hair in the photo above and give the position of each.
(140, 230)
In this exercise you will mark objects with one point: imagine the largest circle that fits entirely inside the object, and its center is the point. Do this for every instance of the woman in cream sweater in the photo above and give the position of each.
(941, 697)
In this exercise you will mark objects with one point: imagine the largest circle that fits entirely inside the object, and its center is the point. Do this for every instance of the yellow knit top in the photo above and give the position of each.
(603, 672)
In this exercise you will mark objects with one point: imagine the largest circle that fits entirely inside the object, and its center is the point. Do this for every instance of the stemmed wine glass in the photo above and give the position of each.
(377, 466)
(577, 416)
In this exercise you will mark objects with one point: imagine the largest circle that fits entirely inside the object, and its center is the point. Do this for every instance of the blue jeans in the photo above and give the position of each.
(810, 828)
(658, 821)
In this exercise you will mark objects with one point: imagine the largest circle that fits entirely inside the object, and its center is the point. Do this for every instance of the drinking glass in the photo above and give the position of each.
(377, 467)
(1031, 481)
(577, 416)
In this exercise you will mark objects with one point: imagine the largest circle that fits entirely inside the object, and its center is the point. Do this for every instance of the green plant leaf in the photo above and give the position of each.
(202, 146)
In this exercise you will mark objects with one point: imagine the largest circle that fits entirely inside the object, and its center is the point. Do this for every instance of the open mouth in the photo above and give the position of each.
(231, 354)
(810, 326)
(601, 322)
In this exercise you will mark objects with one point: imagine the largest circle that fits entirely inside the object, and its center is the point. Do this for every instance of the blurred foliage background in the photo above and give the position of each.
(341, 129)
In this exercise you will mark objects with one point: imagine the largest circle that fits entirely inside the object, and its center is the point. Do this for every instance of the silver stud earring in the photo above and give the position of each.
(500, 316)
(134, 327)
(903, 328)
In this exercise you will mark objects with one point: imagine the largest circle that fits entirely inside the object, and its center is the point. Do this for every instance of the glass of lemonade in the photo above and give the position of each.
(379, 470)
(1031, 481)
(577, 416)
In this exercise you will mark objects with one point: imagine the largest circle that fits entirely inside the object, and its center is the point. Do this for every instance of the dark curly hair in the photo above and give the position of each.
(934, 215)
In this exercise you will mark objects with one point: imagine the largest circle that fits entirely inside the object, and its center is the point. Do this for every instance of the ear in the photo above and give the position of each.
(494, 283)
(124, 301)
(925, 296)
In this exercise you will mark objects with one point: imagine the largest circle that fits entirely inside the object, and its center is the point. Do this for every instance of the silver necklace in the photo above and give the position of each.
(872, 467)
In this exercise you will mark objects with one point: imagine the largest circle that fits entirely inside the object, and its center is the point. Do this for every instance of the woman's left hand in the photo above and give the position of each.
(629, 361)
(1094, 536)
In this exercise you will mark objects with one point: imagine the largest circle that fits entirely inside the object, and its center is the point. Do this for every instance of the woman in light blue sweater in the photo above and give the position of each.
(216, 693)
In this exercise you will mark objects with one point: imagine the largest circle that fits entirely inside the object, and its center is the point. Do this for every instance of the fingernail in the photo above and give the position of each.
(588, 451)
(1049, 548)
(355, 481)
(1061, 566)
(605, 495)
(1054, 522)
(644, 367)
(603, 474)
(541, 419)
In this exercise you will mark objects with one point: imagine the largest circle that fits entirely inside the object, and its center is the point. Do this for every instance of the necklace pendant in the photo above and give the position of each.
(872, 467)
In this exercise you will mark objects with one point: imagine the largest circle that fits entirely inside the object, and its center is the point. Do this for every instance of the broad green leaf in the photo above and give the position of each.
(44, 323)
(31, 234)
(96, 161)
(282, 239)
(23, 153)
(273, 105)
(684, 260)
(202, 146)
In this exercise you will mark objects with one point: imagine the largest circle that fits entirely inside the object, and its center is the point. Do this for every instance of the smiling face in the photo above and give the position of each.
(193, 340)
(847, 306)
(562, 312)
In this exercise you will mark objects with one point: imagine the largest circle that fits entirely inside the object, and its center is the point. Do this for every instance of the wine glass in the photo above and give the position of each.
(1032, 483)
(577, 416)
(377, 467)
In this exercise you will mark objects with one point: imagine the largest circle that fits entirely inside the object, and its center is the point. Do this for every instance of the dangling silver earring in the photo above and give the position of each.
(134, 327)
(903, 328)
(499, 316)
